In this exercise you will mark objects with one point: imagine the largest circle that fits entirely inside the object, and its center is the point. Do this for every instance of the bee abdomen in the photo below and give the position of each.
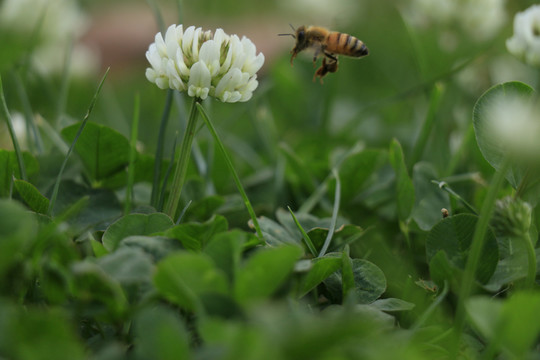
(345, 44)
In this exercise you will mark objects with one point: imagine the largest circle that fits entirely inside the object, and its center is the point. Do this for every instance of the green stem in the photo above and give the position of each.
(239, 186)
(475, 252)
(5, 113)
(159, 149)
(531, 257)
(337, 197)
(54, 195)
(183, 162)
(444, 186)
(305, 236)
(420, 145)
(132, 155)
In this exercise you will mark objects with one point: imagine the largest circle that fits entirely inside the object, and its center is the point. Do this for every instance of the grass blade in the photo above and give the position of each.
(305, 236)
(5, 113)
(132, 154)
(335, 211)
(159, 148)
(183, 161)
(239, 186)
(166, 176)
(31, 128)
(157, 14)
(420, 144)
(64, 85)
(443, 185)
(85, 120)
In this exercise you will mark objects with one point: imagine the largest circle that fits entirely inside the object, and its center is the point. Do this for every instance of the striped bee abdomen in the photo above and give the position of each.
(345, 44)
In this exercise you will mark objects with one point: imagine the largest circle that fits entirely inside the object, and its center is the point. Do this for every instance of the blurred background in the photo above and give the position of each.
(55, 51)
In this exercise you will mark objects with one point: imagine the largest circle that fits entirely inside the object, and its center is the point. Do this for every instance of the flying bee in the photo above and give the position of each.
(328, 43)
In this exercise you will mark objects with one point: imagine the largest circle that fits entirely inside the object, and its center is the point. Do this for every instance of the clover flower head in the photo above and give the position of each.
(512, 216)
(204, 63)
(525, 43)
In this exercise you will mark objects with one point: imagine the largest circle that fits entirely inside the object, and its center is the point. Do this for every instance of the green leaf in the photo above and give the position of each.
(225, 249)
(32, 197)
(157, 247)
(128, 266)
(429, 197)
(160, 335)
(194, 236)
(489, 145)
(369, 282)
(404, 184)
(484, 313)
(103, 151)
(18, 230)
(264, 272)
(347, 275)
(135, 224)
(511, 325)
(453, 235)
(321, 269)
(183, 277)
(38, 334)
(204, 208)
(92, 286)
(441, 270)
(86, 207)
(356, 169)
(518, 327)
(10, 168)
(392, 304)
(276, 234)
(513, 264)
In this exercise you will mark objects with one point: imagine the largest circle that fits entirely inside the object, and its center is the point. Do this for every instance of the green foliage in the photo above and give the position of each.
(103, 151)
(452, 236)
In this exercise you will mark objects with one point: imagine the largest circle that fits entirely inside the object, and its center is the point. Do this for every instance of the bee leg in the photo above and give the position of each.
(315, 56)
(330, 56)
(294, 53)
(326, 67)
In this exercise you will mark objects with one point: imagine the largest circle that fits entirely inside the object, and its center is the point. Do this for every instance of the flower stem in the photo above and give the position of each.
(531, 257)
(159, 150)
(5, 114)
(247, 203)
(183, 161)
(475, 252)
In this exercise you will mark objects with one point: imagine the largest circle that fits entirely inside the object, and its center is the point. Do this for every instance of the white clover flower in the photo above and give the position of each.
(204, 63)
(58, 22)
(515, 124)
(482, 19)
(525, 44)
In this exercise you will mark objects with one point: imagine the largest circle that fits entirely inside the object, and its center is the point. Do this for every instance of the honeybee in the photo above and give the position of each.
(328, 43)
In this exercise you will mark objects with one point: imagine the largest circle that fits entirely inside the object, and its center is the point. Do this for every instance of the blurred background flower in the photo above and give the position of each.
(525, 43)
(516, 125)
(58, 22)
(480, 19)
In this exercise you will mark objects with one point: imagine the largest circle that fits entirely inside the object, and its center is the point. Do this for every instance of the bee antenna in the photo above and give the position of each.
(294, 31)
